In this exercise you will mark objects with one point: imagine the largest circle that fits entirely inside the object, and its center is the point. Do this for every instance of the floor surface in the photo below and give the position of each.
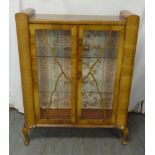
(72, 141)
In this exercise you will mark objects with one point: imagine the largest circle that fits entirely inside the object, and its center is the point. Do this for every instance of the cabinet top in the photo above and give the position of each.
(76, 19)
(33, 18)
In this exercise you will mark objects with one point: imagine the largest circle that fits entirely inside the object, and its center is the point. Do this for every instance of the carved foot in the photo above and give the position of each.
(125, 132)
(26, 136)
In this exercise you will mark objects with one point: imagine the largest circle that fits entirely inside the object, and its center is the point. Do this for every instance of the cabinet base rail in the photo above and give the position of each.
(26, 130)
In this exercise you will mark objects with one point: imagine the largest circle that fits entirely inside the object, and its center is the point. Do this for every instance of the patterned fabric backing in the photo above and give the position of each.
(49, 70)
(97, 51)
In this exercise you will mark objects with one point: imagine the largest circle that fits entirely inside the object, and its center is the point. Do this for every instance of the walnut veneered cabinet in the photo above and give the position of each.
(77, 70)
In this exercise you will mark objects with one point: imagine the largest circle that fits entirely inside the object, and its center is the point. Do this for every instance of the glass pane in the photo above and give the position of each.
(54, 72)
(98, 72)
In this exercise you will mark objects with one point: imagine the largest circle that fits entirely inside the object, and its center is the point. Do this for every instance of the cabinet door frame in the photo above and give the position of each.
(121, 30)
(73, 29)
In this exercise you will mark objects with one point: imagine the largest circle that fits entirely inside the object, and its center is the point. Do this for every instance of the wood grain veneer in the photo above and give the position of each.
(27, 23)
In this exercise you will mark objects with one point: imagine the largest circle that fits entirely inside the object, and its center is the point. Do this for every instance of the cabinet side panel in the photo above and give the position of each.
(127, 69)
(22, 22)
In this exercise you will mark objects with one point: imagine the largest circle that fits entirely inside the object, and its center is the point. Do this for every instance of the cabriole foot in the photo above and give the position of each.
(26, 136)
(125, 132)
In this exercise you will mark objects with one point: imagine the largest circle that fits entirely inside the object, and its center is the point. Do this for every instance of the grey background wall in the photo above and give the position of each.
(84, 7)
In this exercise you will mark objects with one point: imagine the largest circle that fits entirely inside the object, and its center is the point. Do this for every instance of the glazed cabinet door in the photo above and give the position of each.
(99, 69)
(53, 53)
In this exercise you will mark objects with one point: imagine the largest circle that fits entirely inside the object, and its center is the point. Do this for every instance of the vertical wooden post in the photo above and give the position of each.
(22, 25)
(131, 33)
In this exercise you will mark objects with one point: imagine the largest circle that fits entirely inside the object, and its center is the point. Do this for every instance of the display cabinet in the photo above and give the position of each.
(76, 70)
